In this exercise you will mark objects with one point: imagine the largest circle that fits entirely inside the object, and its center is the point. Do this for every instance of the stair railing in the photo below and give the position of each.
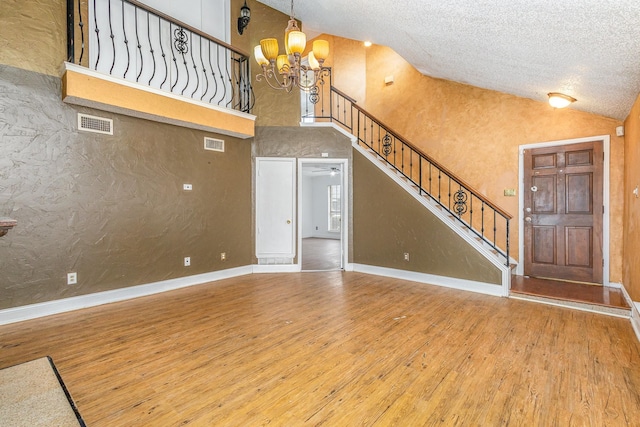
(473, 210)
(130, 40)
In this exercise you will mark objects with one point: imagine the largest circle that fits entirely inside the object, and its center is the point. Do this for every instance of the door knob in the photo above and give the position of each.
(527, 210)
(288, 221)
(527, 219)
(534, 188)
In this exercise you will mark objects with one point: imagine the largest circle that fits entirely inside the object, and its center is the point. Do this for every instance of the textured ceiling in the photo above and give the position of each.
(589, 49)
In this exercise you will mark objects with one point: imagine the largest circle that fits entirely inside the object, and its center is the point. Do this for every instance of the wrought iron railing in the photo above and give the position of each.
(129, 40)
(474, 211)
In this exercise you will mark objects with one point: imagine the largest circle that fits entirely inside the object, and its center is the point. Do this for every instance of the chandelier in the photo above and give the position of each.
(286, 71)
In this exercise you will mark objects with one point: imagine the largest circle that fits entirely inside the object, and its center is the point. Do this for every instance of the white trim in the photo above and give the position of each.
(635, 318)
(345, 197)
(259, 210)
(431, 279)
(123, 82)
(330, 125)
(606, 142)
(67, 66)
(32, 311)
(442, 215)
(573, 307)
(635, 310)
(276, 268)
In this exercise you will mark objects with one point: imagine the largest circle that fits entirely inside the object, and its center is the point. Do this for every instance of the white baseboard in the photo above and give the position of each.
(276, 268)
(635, 309)
(635, 318)
(432, 279)
(32, 311)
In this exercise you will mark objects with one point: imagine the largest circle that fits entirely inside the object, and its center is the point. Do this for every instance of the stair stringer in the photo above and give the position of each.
(460, 229)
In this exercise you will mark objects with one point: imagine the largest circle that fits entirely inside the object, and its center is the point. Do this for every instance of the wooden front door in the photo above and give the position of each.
(564, 212)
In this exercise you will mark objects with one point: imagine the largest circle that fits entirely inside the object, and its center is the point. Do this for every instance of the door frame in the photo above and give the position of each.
(606, 142)
(258, 213)
(344, 200)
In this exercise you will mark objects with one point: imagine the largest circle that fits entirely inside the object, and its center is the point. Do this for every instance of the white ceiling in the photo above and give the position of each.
(589, 49)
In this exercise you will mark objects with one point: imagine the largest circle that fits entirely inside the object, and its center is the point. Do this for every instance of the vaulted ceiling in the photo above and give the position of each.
(589, 49)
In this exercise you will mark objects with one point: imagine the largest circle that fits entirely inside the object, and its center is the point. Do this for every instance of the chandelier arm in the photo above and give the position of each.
(318, 77)
(269, 76)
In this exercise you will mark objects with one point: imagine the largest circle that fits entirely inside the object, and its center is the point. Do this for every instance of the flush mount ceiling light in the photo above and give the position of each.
(284, 71)
(560, 100)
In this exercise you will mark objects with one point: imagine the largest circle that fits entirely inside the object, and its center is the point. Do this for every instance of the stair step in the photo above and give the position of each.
(611, 311)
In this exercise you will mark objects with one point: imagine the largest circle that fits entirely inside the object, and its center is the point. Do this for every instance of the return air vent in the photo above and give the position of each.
(95, 124)
(214, 144)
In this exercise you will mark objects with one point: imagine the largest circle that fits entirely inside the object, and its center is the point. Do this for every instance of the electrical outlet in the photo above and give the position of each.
(187, 261)
(406, 256)
(72, 278)
(187, 187)
(223, 256)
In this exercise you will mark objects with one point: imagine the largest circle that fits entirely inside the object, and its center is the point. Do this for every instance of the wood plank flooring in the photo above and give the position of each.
(320, 254)
(568, 291)
(337, 349)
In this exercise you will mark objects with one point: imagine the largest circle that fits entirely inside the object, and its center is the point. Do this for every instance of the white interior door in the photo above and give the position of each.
(275, 210)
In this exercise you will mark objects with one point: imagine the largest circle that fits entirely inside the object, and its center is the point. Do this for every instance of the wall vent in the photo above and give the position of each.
(214, 144)
(95, 124)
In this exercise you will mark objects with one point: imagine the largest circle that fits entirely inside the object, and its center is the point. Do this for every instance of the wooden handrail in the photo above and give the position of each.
(396, 135)
(342, 94)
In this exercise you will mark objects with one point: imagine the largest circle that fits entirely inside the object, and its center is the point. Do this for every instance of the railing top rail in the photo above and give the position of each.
(186, 26)
(396, 135)
(342, 94)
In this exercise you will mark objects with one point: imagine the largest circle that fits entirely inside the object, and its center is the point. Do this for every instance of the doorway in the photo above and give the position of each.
(322, 207)
(564, 226)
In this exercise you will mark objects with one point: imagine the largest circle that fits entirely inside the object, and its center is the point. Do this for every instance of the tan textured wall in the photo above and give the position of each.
(272, 107)
(631, 265)
(389, 222)
(111, 208)
(476, 132)
(33, 35)
(348, 62)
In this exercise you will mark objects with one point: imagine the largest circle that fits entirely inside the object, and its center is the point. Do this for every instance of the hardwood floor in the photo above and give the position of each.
(320, 254)
(567, 291)
(337, 349)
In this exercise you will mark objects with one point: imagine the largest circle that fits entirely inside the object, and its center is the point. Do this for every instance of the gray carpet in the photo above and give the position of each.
(33, 394)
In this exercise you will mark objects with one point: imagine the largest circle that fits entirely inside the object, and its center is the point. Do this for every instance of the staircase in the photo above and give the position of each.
(458, 203)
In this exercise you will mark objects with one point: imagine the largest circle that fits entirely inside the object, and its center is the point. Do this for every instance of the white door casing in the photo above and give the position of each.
(344, 230)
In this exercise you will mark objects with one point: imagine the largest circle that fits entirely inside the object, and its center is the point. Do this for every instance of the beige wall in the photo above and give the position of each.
(33, 35)
(110, 208)
(348, 62)
(631, 266)
(272, 107)
(388, 222)
(476, 132)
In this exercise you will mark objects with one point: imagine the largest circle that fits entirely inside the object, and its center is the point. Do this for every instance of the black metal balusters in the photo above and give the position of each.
(210, 70)
(459, 197)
